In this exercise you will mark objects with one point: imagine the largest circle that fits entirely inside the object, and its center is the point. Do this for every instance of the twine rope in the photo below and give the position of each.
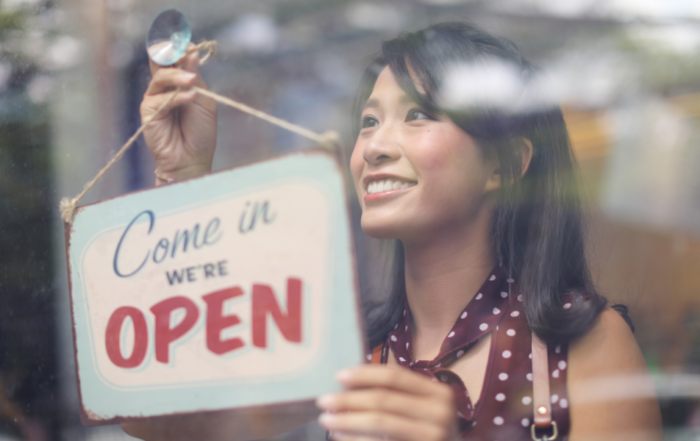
(329, 139)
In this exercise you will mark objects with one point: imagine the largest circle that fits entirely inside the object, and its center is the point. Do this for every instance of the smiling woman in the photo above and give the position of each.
(492, 208)
(480, 198)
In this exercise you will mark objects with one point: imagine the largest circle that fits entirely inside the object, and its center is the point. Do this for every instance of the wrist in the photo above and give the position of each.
(170, 176)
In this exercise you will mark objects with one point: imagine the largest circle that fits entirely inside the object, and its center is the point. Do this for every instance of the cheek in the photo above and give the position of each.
(357, 163)
(437, 151)
(452, 166)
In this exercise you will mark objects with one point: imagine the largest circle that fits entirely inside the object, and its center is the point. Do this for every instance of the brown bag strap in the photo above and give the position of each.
(377, 354)
(540, 389)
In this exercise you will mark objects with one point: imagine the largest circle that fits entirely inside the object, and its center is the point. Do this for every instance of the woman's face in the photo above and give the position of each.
(416, 174)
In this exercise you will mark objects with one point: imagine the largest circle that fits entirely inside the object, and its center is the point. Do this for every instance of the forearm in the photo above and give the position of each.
(228, 425)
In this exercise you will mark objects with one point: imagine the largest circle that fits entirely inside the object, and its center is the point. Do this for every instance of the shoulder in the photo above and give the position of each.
(609, 343)
(610, 389)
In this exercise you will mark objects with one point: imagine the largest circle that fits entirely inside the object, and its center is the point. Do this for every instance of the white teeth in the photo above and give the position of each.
(386, 185)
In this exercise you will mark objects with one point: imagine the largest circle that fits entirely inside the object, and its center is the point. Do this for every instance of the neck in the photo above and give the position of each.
(442, 276)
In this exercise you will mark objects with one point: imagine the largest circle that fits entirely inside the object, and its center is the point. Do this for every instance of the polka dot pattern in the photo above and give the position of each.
(506, 406)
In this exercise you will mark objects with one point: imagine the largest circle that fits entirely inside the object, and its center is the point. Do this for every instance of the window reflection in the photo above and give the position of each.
(72, 75)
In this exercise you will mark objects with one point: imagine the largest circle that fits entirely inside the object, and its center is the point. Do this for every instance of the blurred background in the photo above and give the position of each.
(72, 74)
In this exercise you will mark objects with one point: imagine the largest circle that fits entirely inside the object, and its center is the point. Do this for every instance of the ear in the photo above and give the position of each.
(494, 180)
(525, 155)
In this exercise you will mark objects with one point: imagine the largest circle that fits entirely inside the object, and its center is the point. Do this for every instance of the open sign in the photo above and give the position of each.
(230, 290)
(165, 333)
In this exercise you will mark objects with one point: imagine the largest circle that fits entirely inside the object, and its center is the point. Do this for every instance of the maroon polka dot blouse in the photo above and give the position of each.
(504, 410)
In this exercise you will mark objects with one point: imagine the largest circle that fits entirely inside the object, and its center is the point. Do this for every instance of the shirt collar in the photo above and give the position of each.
(481, 316)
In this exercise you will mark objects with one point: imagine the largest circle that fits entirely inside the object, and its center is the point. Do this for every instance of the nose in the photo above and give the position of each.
(381, 147)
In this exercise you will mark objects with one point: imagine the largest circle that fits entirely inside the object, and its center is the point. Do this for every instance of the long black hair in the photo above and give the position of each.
(536, 229)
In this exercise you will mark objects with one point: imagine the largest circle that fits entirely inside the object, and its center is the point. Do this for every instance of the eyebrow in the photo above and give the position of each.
(374, 102)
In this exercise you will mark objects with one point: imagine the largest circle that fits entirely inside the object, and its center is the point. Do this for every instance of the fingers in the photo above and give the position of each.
(161, 87)
(403, 380)
(344, 436)
(185, 73)
(383, 400)
(383, 403)
(191, 62)
(165, 102)
(373, 424)
(165, 80)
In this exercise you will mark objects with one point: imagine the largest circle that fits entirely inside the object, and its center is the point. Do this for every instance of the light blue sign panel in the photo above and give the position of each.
(230, 290)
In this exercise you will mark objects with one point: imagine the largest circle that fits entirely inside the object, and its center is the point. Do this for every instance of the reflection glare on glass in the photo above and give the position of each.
(168, 37)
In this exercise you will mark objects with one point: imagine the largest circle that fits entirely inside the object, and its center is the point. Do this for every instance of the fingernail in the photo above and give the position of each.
(188, 76)
(326, 419)
(344, 375)
(325, 401)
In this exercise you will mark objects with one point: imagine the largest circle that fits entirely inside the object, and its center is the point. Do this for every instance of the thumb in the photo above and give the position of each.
(191, 61)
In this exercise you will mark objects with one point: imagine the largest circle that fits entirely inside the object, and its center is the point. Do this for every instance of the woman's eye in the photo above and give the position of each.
(416, 114)
(369, 121)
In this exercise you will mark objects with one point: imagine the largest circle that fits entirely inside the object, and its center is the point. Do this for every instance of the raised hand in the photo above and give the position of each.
(182, 137)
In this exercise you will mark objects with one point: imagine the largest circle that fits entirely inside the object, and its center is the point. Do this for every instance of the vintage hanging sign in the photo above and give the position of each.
(234, 289)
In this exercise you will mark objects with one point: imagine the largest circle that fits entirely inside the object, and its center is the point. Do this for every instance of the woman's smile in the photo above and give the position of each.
(382, 186)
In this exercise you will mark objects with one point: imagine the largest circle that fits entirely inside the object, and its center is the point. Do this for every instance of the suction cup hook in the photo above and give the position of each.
(168, 37)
